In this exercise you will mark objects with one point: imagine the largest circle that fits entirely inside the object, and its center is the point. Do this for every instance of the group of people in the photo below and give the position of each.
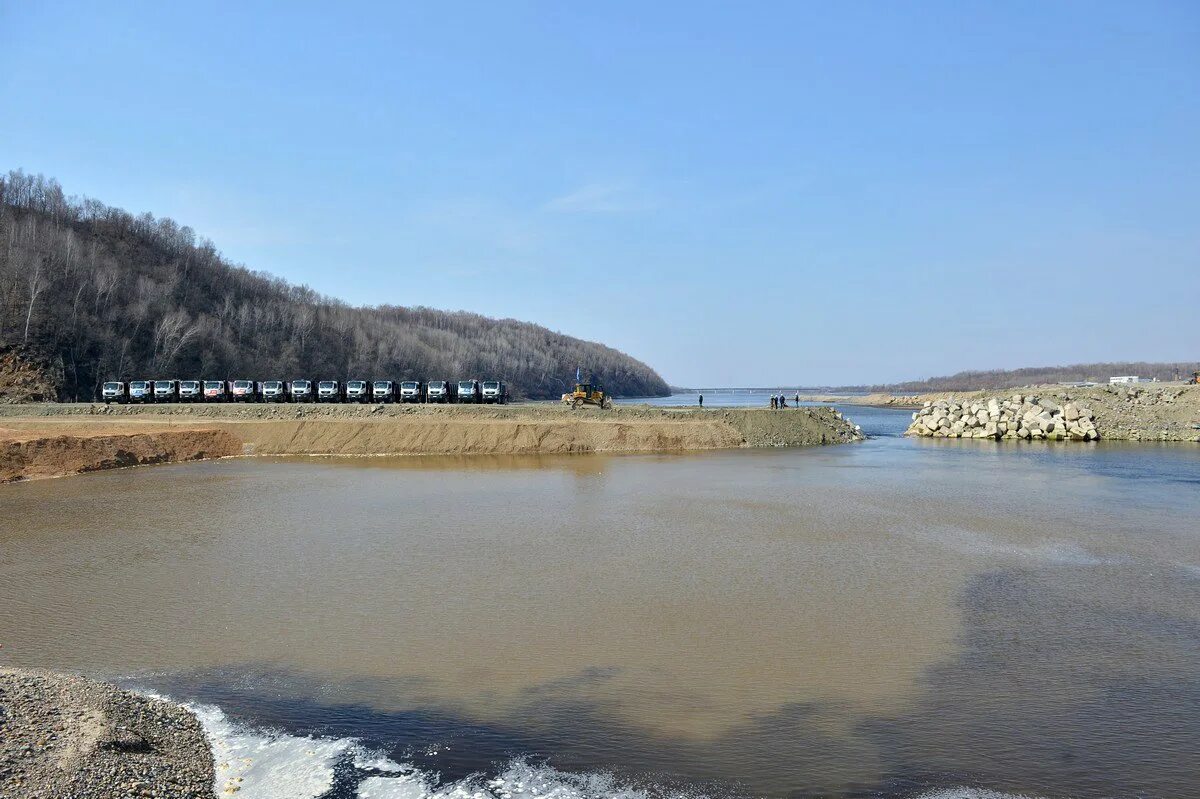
(777, 401)
(780, 401)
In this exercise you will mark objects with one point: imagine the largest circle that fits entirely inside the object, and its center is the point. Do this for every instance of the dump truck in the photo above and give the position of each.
(435, 391)
(468, 391)
(494, 392)
(114, 391)
(272, 391)
(166, 390)
(189, 390)
(241, 391)
(140, 391)
(383, 391)
(215, 391)
(410, 390)
(300, 390)
(327, 391)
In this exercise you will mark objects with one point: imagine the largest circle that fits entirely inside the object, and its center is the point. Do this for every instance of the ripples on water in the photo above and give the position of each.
(895, 617)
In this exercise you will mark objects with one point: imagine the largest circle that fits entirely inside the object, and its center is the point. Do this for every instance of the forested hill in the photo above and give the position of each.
(101, 294)
(1039, 375)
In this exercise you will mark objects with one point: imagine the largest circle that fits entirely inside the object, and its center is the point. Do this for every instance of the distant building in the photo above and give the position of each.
(1123, 379)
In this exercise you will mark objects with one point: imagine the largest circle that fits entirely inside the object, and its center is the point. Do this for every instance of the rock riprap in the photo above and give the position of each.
(1017, 417)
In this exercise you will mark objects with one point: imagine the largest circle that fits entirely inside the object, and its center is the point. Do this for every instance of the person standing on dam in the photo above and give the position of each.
(701, 400)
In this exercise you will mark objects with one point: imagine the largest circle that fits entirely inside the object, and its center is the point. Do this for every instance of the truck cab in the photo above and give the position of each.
(410, 391)
(300, 390)
(166, 390)
(357, 391)
(241, 391)
(435, 391)
(272, 391)
(383, 391)
(214, 391)
(468, 391)
(327, 391)
(140, 391)
(494, 392)
(189, 390)
(114, 391)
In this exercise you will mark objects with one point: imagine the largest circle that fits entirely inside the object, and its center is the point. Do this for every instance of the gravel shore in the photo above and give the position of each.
(67, 737)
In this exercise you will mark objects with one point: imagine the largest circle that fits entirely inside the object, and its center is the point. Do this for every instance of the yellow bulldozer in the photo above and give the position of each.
(589, 393)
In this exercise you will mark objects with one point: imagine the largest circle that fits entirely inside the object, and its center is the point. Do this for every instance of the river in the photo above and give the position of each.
(897, 617)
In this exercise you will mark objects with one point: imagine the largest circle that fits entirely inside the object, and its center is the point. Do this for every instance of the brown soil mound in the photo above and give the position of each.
(28, 454)
(449, 436)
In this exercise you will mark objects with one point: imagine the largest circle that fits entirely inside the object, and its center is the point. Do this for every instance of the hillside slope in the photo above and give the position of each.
(101, 294)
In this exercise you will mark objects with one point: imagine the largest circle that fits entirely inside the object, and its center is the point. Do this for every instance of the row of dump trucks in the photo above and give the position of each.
(382, 391)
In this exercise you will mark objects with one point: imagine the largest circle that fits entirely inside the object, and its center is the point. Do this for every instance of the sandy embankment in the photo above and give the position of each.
(28, 454)
(65, 736)
(51, 440)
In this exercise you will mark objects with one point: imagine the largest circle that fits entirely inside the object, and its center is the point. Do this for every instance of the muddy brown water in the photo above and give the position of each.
(885, 618)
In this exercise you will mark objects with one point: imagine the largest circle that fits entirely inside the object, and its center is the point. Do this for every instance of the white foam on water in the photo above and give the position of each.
(264, 764)
(970, 793)
(256, 764)
(520, 780)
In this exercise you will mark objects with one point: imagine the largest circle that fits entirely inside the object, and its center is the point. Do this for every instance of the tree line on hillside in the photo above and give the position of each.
(1032, 376)
(102, 294)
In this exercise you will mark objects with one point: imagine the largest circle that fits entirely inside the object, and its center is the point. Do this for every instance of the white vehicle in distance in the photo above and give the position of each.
(215, 391)
(495, 392)
(242, 391)
(383, 391)
(357, 391)
(140, 391)
(468, 391)
(272, 391)
(327, 391)
(435, 391)
(166, 390)
(189, 390)
(300, 390)
(410, 391)
(114, 391)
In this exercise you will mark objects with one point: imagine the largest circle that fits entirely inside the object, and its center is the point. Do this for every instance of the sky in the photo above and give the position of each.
(735, 193)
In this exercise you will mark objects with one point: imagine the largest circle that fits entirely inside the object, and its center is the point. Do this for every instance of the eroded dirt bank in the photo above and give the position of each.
(48, 452)
(65, 736)
(49, 440)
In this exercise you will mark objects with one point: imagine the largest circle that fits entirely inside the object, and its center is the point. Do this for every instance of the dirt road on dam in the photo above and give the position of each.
(50, 440)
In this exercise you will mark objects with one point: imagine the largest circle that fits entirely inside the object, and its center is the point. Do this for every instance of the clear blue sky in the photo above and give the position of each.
(737, 193)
